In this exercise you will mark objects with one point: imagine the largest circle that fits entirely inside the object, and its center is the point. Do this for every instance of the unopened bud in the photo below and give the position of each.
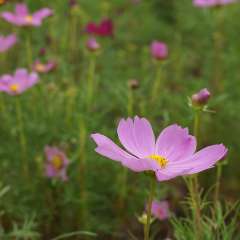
(92, 44)
(201, 98)
(133, 84)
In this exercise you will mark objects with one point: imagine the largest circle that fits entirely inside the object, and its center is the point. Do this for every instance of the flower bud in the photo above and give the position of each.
(92, 44)
(72, 3)
(159, 50)
(201, 98)
(133, 84)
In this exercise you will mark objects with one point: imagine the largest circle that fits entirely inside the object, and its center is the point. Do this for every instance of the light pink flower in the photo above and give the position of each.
(159, 50)
(211, 3)
(19, 82)
(7, 42)
(43, 68)
(160, 210)
(92, 44)
(22, 17)
(171, 155)
(56, 164)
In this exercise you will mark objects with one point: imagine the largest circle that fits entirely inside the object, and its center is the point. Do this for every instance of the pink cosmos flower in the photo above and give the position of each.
(43, 68)
(19, 82)
(92, 44)
(171, 155)
(211, 3)
(22, 17)
(160, 210)
(7, 42)
(159, 50)
(57, 163)
(201, 98)
(104, 29)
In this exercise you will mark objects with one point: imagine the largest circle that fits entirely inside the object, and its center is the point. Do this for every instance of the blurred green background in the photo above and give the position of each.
(204, 51)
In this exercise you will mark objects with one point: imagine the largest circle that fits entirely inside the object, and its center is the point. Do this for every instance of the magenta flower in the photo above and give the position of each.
(171, 155)
(92, 44)
(104, 29)
(43, 68)
(160, 210)
(159, 50)
(211, 3)
(19, 82)
(56, 164)
(201, 98)
(22, 17)
(7, 42)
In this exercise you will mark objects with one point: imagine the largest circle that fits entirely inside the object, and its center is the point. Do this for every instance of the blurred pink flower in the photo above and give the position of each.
(160, 210)
(201, 98)
(19, 82)
(172, 155)
(104, 29)
(211, 3)
(22, 17)
(56, 164)
(92, 44)
(43, 68)
(159, 50)
(7, 42)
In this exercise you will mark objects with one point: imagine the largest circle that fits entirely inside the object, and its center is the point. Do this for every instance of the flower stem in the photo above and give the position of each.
(29, 50)
(157, 83)
(195, 196)
(82, 176)
(218, 83)
(217, 188)
(149, 206)
(22, 137)
(90, 83)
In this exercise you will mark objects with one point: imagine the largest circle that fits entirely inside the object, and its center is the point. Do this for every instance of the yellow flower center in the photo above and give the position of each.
(14, 87)
(160, 160)
(29, 18)
(40, 67)
(57, 162)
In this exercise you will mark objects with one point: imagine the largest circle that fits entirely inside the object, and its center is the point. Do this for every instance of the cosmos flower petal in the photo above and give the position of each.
(9, 17)
(108, 148)
(160, 209)
(137, 164)
(144, 136)
(206, 158)
(126, 136)
(42, 13)
(175, 143)
(21, 9)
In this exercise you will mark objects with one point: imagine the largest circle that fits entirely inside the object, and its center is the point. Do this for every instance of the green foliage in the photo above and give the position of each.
(54, 112)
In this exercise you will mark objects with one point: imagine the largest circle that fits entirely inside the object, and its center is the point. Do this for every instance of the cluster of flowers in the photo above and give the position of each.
(173, 154)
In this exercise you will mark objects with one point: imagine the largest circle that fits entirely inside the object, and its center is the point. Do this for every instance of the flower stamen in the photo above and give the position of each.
(29, 18)
(14, 87)
(160, 160)
(57, 162)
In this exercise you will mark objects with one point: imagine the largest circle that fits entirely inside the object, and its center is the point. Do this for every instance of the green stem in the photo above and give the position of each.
(90, 83)
(218, 79)
(157, 83)
(218, 177)
(149, 206)
(195, 196)
(22, 137)
(130, 102)
(29, 50)
(82, 176)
